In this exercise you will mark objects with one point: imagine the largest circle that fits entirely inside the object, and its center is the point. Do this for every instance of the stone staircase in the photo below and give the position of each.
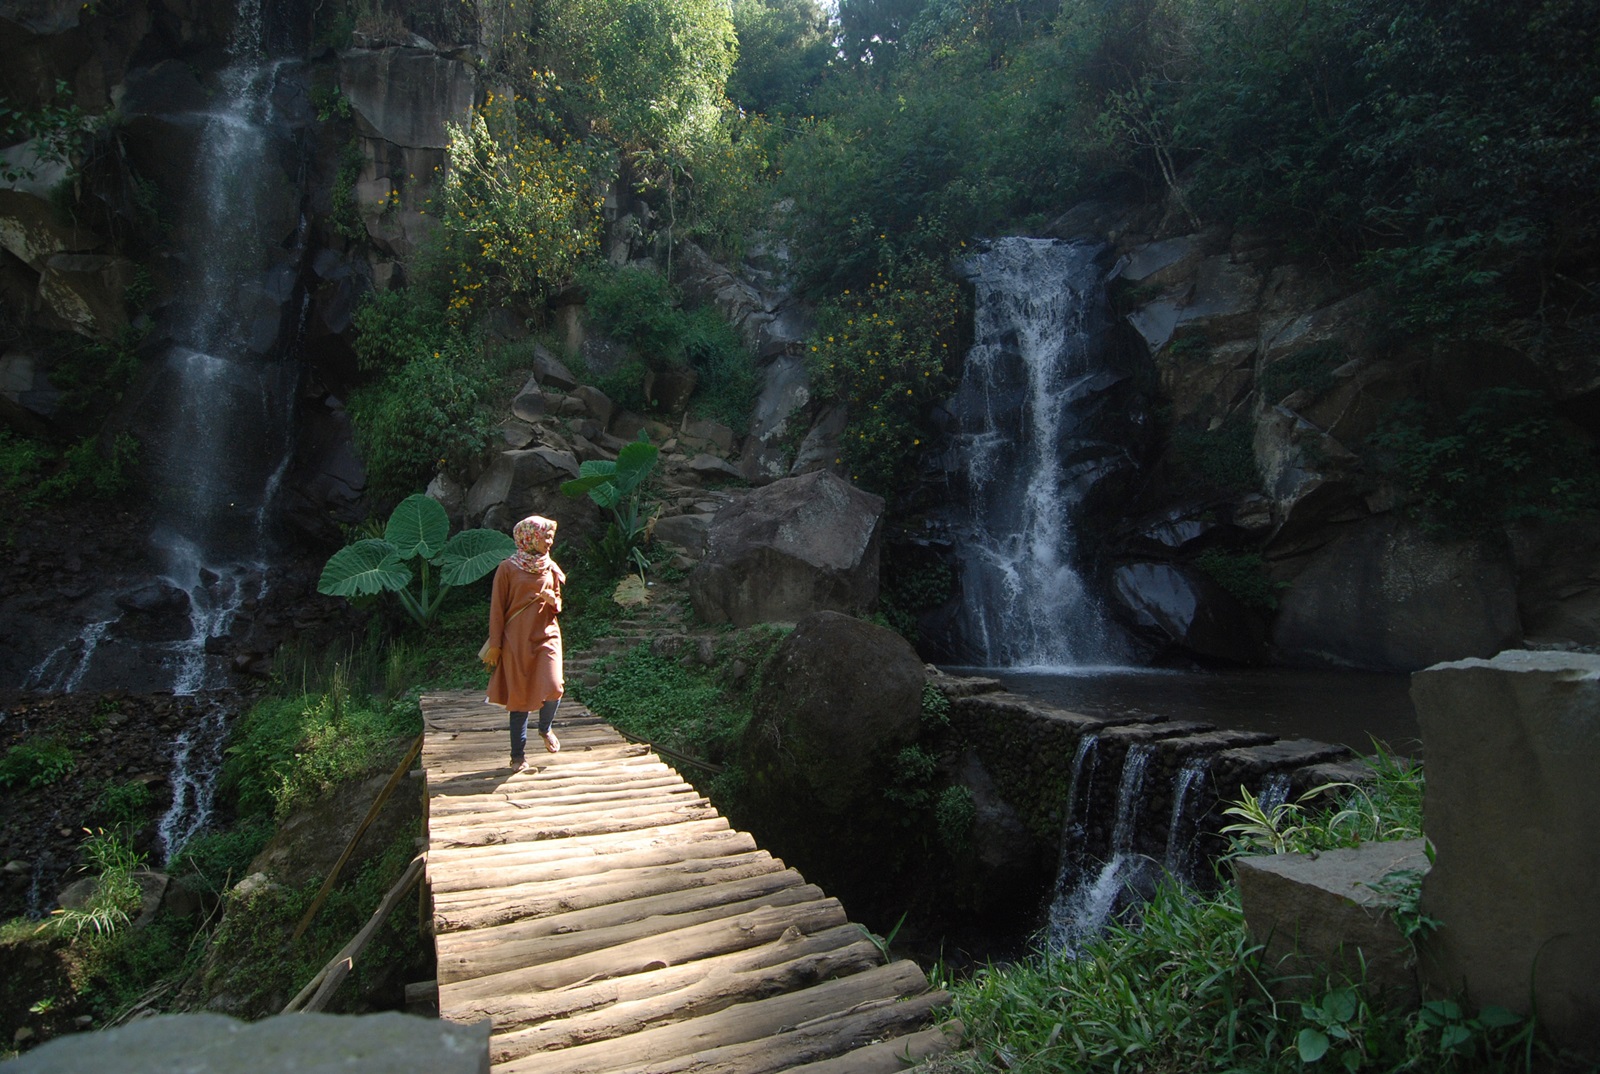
(666, 613)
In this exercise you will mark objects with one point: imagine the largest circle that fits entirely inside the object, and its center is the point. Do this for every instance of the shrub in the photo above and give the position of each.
(520, 209)
(887, 353)
(35, 762)
(1224, 457)
(287, 752)
(1244, 575)
(1505, 458)
(421, 418)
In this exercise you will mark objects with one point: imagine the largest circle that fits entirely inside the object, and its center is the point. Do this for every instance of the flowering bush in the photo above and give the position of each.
(886, 352)
(519, 210)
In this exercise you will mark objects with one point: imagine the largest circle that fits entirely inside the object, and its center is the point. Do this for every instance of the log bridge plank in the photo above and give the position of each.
(602, 914)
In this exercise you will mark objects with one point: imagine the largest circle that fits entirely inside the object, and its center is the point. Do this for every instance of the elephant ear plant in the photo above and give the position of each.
(418, 530)
(619, 488)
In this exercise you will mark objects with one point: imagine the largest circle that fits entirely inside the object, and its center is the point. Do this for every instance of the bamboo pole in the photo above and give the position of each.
(372, 815)
(315, 995)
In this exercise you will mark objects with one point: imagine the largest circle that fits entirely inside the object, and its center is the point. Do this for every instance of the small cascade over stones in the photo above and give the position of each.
(1181, 822)
(1027, 453)
(1084, 904)
(196, 763)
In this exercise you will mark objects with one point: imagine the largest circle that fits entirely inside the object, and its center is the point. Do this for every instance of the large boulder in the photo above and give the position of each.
(1331, 912)
(387, 1043)
(528, 482)
(1383, 596)
(1513, 810)
(407, 96)
(797, 546)
(1185, 608)
(840, 697)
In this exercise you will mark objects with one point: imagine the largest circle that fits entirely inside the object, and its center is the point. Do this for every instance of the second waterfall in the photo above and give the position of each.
(1039, 416)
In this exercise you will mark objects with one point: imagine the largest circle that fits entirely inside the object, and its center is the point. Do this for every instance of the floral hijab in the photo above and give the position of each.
(534, 535)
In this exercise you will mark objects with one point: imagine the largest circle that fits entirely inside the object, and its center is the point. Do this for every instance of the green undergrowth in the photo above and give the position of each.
(257, 965)
(695, 709)
(1180, 987)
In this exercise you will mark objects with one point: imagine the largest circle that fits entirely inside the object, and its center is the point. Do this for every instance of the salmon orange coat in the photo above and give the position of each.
(529, 670)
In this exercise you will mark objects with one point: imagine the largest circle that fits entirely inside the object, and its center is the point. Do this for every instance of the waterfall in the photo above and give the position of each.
(215, 421)
(1034, 365)
(196, 762)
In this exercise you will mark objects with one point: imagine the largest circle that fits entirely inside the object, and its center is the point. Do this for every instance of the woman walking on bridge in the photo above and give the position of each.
(524, 646)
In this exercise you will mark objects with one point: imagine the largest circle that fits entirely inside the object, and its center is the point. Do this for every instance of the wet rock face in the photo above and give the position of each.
(1181, 606)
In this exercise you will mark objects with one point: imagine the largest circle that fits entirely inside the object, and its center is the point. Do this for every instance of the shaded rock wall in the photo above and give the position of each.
(1284, 373)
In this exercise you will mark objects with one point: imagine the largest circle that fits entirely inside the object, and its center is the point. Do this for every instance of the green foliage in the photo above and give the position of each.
(935, 708)
(911, 778)
(1506, 458)
(218, 860)
(421, 416)
(123, 805)
(418, 530)
(953, 815)
(619, 488)
(648, 73)
(1244, 575)
(395, 328)
(52, 128)
(287, 752)
(640, 308)
(784, 48)
(1310, 370)
(259, 965)
(1223, 457)
(1182, 992)
(1386, 807)
(520, 208)
(35, 762)
(21, 460)
(116, 896)
(89, 470)
(909, 590)
(1445, 147)
(344, 209)
(662, 702)
(886, 352)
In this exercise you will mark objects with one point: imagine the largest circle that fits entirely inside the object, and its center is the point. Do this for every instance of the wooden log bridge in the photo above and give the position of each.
(603, 915)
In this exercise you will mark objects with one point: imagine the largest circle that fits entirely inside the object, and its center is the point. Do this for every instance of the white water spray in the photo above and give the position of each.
(1033, 360)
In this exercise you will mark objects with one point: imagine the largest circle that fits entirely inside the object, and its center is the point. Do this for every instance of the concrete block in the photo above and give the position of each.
(1325, 913)
(1513, 808)
(388, 1043)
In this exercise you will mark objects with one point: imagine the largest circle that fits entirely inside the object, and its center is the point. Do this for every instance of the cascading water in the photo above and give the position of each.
(1035, 362)
(196, 761)
(1082, 908)
(1180, 825)
(215, 419)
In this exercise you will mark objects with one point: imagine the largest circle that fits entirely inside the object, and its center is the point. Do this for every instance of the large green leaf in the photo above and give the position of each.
(471, 554)
(362, 569)
(634, 463)
(418, 527)
(598, 478)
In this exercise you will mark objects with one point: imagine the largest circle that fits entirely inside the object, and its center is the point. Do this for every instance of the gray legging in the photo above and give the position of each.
(519, 726)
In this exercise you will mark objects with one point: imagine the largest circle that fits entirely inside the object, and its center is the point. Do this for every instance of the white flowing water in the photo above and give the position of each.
(1033, 361)
(1180, 825)
(216, 431)
(196, 763)
(1085, 909)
